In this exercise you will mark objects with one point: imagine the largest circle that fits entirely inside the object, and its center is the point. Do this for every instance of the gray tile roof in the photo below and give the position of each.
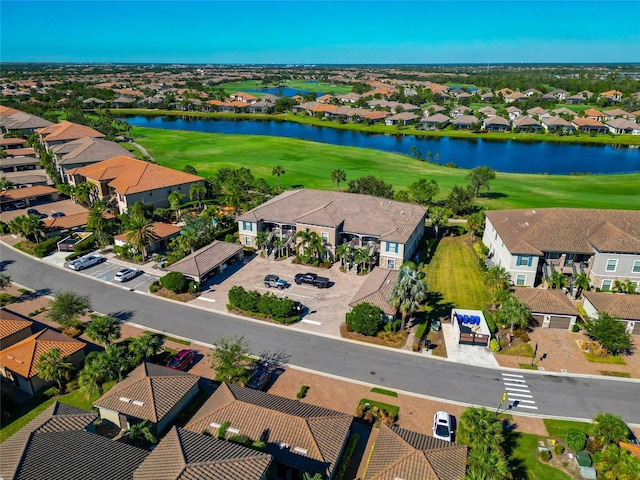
(282, 423)
(376, 289)
(186, 455)
(546, 301)
(201, 262)
(158, 388)
(623, 306)
(362, 214)
(400, 453)
(88, 150)
(22, 121)
(571, 230)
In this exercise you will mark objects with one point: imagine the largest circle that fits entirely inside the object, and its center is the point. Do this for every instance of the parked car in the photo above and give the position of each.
(311, 279)
(182, 360)
(126, 274)
(442, 426)
(298, 308)
(19, 204)
(33, 211)
(260, 377)
(275, 281)
(7, 207)
(58, 215)
(85, 261)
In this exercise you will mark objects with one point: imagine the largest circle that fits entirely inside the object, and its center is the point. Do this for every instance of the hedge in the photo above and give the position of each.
(490, 323)
(576, 439)
(346, 456)
(46, 247)
(262, 306)
(175, 281)
(85, 245)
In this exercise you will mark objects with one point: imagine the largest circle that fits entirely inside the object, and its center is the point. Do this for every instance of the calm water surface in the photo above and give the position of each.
(503, 156)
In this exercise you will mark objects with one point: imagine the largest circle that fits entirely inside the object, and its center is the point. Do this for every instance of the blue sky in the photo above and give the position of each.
(317, 32)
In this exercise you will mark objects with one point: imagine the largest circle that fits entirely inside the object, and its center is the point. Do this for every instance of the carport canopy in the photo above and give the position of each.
(202, 263)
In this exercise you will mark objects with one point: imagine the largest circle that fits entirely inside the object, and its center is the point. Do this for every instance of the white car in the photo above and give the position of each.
(85, 262)
(126, 274)
(442, 426)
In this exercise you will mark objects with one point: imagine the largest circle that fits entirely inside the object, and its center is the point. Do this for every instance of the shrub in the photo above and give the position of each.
(490, 323)
(593, 445)
(494, 346)
(72, 331)
(6, 299)
(154, 287)
(222, 429)
(206, 432)
(235, 296)
(576, 439)
(175, 281)
(85, 245)
(365, 319)
(545, 455)
(346, 456)
(575, 328)
(259, 445)
(47, 246)
(52, 391)
(241, 439)
(303, 392)
(558, 449)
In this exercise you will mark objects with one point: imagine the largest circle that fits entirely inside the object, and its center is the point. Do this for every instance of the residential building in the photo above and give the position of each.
(526, 124)
(299, 436)
(389, 229)
(126, 181)
(550, 308)
(404, 118)
(465, 122)
(376, 289)
(13, 328)
(496, 124)
(557, 124)
(624, 307)
(623, 126)
(531, 244)
(436, 121)
(589, 125)
(209, 260)
(162, 232)
(64, 132)
(12, 120)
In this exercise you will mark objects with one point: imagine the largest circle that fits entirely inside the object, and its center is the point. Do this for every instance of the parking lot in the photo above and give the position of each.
(325, 307)
(107, 270)
(68, 207)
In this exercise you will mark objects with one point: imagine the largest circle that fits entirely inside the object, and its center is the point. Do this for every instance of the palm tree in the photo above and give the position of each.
(582, 283)
(409, 291)
(513, 313)
(145, 347)
(83, 193)
(609, 428)
(558, 280)
(475, 222)
(304, 236)
(342, 252)
(315, 246)
(261, 240)
(620, 286)
(139, 432)
(104, 330)
(439, 216)
(117, 360)
(197, 190)
(140, 233)
(277, 171)
(52, 366)
(97, 223)
(94, 373)
(479, 426)
(278, 243)
(175, 199)
(5, 184)
(497, 278)
(33, 226)
(615, 463)
(360, 256)
(490, 461)
(338, 176)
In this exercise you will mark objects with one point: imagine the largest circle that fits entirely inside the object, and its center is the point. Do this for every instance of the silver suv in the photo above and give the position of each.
(274, 281)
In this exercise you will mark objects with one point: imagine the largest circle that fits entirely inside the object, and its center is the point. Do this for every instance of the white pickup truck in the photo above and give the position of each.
(85, 261)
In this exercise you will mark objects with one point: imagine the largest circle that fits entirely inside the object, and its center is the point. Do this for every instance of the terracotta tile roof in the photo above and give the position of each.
(592, 112)
(363, 214)
(586, 122)
(376, 289)
(67, 131)
(88, 150)
(160, 229)
(185, 455)
(324, 98)
(23, 357)
(546, 301)
(11, 323)
(623, 306)
(12, 141)
(71, 221)
(400, 453)
(7, 111)
(572, 230)
(318, 433)
(59, 417)
(201, 262)
(27, 192)
(375, 115)
(16, 152)
(610, 93)
(159, 389)
(128, 175)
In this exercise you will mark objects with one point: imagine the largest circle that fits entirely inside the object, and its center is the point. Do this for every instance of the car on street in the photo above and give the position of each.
(126, 274)
(442, 426)
(275, 281)
(57, 215)
(260, 377)
(182, 360)
(85, 261)
(311, 279)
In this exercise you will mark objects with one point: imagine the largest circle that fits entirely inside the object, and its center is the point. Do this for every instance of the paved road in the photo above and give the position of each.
(555, 395)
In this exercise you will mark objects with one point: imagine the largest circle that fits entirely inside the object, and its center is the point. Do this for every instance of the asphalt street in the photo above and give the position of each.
(546, 394)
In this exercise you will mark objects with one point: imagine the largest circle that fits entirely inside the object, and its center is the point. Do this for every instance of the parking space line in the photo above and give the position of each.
(312, 322)
(205, 299)
(527, 406)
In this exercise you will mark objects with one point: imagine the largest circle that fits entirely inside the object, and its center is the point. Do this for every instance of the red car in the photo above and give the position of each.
(182, 360)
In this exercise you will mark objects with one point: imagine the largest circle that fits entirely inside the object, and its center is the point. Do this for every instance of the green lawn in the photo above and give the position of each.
(610, 359)
(310, 164)
(522, 350)
(526, 452)
(391, 409)
(557, 428)
(454, 273)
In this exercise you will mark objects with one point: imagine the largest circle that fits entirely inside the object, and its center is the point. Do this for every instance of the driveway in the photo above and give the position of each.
(326, 307)
(69, 207)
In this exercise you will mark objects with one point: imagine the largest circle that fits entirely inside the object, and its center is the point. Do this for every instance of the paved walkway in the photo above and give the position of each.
(471, 355)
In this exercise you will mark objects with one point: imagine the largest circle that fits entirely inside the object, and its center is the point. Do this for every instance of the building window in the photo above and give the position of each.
(612, 264)
(392, 247)
(248, 226)
(248, 241)
(520, 279)
(636, 267)
(391, 264)
(553, 255)
(606, 285)
(524, 261)
(325, 237)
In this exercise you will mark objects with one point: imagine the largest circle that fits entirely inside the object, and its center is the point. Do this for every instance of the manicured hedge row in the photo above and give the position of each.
(45, 248)
(262, 306)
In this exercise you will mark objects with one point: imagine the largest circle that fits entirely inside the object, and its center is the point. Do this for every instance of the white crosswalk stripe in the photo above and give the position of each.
(517, 392)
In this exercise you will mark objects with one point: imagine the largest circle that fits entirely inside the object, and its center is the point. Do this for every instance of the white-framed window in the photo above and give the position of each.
(325, 237)
(392, 247)
(636, 267)
(391, 263)
(612, 264)
(520, 279)
(248, 226)
(606, 285)
(524, 261)
(248, 241)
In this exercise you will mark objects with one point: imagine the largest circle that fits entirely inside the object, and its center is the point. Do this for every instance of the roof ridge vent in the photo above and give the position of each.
(125, 399)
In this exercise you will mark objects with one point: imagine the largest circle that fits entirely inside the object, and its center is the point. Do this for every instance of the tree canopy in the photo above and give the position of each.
(67, 307)
(365, 318)
(610, 332)
(370, 185)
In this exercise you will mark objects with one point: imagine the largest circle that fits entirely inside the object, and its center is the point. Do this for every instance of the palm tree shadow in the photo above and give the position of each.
(122, 315)
(510, 443)
(4, 264)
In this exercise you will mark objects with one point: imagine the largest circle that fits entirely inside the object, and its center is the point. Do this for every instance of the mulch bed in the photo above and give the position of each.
(180, 297)
(387, 339)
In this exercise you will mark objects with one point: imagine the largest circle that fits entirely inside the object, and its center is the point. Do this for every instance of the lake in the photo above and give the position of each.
(282, 91)
(502, 156)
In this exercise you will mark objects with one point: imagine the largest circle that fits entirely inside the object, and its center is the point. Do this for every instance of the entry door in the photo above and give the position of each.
(124, 424)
